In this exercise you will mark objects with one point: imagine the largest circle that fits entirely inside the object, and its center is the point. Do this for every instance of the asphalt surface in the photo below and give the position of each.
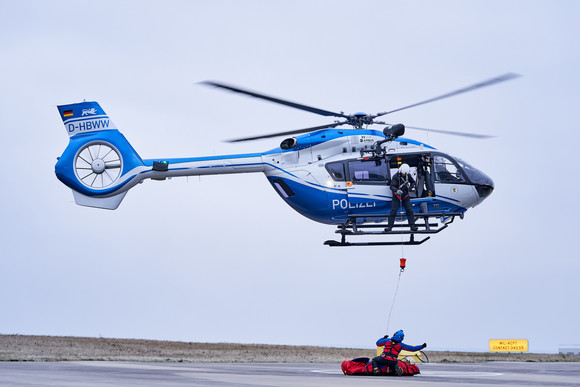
(97, 373)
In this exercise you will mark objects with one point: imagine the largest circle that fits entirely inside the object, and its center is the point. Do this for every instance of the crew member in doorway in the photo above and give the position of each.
(393, 346)
(401, 184)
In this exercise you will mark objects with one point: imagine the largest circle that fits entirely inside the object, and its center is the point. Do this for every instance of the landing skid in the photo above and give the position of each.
(355, 227)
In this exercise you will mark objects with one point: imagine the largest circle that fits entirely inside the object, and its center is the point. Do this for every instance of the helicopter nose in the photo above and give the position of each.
(483, 183)
(484, 190)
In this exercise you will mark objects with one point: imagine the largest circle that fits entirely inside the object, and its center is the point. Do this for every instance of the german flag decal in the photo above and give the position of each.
(67, 113)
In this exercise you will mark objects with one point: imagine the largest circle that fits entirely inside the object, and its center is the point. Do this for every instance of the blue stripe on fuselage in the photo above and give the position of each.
(333, 206)
(149, 162)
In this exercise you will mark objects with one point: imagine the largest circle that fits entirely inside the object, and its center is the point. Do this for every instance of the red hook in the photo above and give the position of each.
(403, 263)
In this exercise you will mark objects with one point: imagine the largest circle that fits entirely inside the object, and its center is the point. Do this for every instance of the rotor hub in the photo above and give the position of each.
(358, 120)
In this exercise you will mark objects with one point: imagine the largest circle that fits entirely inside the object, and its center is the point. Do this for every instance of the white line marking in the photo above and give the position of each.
(460, 374)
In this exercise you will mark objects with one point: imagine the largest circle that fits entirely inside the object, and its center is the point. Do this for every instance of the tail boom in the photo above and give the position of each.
(100, 165)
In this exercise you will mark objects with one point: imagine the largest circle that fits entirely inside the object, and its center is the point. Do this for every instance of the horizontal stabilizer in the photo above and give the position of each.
(108, 203)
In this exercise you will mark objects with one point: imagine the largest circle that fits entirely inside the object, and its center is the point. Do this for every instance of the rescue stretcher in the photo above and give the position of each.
(406, 361)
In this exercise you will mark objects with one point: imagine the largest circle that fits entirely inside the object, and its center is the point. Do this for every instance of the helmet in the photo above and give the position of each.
(404, 169)
(398, 336)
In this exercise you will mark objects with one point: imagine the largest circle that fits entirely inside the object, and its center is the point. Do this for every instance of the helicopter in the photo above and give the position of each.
(336, 176)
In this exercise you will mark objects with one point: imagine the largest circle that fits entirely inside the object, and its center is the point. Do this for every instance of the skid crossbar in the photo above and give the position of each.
(358, 226)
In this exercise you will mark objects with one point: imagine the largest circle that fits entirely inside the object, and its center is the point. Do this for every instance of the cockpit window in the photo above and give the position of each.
(368, 171)
(446, 171)
(474, 174)
(336, 171)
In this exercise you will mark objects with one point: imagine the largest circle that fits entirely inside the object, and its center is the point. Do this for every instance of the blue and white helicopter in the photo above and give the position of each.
(330, 175)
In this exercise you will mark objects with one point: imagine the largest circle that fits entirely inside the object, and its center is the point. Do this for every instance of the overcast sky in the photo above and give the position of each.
(223, 258)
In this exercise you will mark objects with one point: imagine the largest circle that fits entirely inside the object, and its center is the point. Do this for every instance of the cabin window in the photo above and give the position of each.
(446, 171)
(336, 171)
(368, 171)
(283, 188)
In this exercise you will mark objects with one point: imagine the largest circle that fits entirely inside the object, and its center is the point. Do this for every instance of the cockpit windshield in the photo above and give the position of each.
(474, 174)
(454, 170)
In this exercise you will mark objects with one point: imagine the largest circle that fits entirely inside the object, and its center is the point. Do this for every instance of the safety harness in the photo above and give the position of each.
(391, 350)
(402, 183)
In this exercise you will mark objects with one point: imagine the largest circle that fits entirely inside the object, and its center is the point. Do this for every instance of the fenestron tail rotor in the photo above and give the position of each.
(357, 120)
(98, 165)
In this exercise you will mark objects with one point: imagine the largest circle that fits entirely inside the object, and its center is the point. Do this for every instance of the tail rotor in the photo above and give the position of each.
(98, 165)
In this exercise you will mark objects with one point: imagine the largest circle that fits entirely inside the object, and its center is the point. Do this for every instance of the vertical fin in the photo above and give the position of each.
(84, 117)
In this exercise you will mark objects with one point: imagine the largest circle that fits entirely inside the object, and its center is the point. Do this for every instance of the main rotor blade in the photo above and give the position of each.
(297, 131)
(276, 100)
(489, 82)
(472, 135)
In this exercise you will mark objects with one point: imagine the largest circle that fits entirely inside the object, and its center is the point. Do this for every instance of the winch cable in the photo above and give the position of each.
(403, 263)
(401, 211)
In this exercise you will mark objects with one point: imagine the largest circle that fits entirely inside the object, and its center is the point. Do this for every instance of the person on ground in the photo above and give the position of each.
(392, 348)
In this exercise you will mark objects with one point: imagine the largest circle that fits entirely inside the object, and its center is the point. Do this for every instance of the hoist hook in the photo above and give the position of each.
(403, 264)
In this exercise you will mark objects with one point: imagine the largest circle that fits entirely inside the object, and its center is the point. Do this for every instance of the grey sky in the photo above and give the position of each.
(223, 258)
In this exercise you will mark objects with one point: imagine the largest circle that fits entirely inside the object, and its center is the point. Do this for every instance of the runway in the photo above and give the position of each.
(97, 373)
